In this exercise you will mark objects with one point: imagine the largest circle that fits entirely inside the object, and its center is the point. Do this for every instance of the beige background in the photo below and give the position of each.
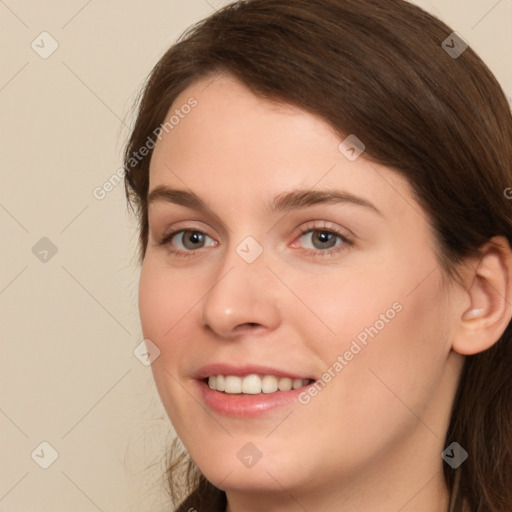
(69, 325)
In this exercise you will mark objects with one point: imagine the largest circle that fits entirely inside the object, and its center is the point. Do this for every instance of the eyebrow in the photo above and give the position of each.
(285, 202)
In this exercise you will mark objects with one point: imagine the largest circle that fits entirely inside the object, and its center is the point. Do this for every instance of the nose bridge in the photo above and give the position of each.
(241, 293)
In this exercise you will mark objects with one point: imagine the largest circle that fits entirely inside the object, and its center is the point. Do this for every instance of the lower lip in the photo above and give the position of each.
(246, 406)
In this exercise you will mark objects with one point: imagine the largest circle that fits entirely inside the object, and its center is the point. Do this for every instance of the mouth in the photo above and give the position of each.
(248, 390)
(250, 396)
(254, 384)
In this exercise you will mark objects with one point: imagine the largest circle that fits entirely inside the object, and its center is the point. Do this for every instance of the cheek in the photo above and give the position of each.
(344, 307)
(401, 364)
(391, 334)
(164, 299)
(152, 302)
(163, 305)
(168, 303)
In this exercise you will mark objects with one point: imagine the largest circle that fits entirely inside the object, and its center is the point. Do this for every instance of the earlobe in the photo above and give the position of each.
(490, 294)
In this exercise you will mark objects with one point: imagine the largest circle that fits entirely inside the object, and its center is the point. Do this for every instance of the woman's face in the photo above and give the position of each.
(270, 278)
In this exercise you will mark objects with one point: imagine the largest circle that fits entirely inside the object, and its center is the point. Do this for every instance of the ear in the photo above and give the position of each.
(489, 288)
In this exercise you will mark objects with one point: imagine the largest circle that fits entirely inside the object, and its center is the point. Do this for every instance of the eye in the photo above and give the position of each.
(324, 239)
(190, 240)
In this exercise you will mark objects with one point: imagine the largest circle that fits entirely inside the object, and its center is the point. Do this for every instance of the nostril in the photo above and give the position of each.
(249, 326)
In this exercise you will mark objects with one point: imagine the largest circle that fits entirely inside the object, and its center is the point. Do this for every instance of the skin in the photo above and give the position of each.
(372, 438)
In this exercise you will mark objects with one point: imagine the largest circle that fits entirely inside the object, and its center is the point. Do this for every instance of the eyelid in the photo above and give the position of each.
(207, 223)
(319, 225)
(182, 226)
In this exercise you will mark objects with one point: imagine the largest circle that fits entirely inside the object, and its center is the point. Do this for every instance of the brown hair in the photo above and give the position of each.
(377, 69)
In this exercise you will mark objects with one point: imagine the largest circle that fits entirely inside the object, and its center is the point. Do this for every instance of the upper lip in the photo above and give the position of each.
(242, 370)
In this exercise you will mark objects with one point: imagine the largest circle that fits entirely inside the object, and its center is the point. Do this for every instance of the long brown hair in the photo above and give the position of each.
(382, 70)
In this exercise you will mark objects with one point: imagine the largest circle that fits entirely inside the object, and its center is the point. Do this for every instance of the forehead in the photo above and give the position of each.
(228, 117)
(234, 141)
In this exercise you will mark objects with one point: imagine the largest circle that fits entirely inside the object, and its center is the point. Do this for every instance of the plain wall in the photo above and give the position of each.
(69, 320)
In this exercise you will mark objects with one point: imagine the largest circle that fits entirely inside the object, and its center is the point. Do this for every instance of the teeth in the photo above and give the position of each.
(269, 384)
(233, 384)
(220, 383)
(297, 383)
(254, 384)
(251, 385)
(285, 384)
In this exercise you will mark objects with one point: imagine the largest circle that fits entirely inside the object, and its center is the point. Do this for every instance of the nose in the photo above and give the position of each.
(242, 299)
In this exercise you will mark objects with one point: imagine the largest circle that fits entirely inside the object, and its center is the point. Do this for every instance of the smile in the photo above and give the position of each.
(254, 384)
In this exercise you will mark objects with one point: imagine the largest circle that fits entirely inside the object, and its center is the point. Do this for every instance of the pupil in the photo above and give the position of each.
(324, 236)
(194, 237)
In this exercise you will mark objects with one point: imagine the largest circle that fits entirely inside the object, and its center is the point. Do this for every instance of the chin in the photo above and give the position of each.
(269, 473)
(249, 480)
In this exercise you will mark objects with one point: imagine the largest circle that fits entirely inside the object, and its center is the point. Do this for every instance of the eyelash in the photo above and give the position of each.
(167, 238)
